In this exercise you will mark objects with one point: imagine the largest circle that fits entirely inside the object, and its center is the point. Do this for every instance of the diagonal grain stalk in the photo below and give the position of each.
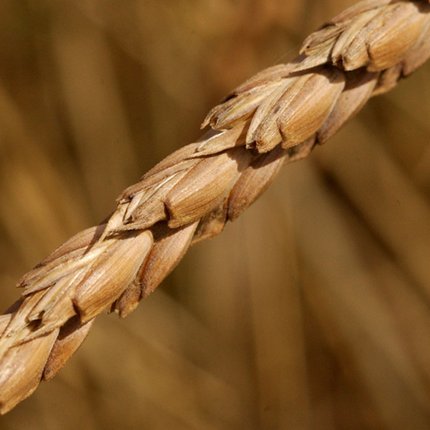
(276, 117)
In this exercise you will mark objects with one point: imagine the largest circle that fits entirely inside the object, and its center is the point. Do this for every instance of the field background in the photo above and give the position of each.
(310, 312)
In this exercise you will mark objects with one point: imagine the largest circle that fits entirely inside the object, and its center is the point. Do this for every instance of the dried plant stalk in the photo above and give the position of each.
(276, 117)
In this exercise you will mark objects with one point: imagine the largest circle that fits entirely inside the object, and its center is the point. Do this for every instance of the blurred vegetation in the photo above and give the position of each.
(310, 312)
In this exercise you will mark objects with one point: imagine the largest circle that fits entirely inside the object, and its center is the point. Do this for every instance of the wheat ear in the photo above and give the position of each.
(276, 117)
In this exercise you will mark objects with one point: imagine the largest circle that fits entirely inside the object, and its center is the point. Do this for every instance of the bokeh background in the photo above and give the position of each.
(309, 312)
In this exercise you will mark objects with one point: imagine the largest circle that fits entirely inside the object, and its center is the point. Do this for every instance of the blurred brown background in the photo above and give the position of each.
(310, 312)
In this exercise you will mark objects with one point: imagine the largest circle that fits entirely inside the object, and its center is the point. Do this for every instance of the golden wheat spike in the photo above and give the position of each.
(276, 117)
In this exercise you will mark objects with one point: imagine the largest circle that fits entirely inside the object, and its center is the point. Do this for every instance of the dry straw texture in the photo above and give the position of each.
(274, 118)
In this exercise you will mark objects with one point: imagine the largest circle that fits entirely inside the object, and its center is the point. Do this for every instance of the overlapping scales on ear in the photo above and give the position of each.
(205, 186)
(291, 111)
(244, 100)
(359, 87)
(168, 249)
(295, 114)
(376, 35)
